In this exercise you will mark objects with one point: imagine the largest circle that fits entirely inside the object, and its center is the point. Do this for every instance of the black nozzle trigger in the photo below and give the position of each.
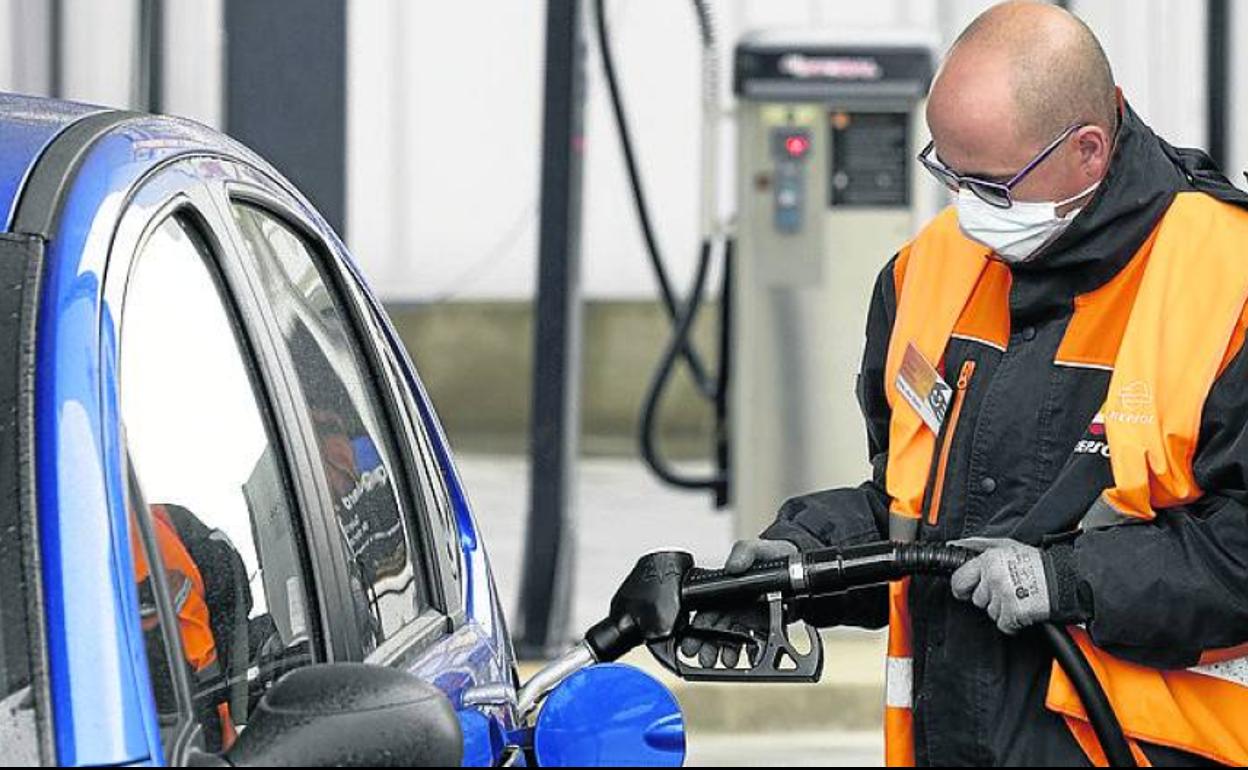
(768, 666)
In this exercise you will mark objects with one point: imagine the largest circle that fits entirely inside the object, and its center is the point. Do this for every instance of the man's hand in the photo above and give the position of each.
(1007, 579)
(746, 552)
(704, 640)
(753, 619)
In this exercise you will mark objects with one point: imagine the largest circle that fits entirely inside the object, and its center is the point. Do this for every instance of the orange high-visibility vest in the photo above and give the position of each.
(1167, 325)
(189, 601)
(187, 586)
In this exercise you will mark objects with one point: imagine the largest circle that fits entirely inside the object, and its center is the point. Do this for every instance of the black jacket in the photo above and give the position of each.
(1157, 594)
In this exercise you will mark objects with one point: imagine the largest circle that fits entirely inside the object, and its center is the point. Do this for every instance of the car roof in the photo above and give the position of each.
(28, 124)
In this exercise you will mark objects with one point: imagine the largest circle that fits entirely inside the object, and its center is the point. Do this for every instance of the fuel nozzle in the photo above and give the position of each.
(647, 606)
(654, 603)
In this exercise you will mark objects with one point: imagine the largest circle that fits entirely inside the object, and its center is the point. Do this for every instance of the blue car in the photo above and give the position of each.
(231, 529)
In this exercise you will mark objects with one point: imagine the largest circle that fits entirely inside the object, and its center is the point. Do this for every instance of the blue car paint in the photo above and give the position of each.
(639, 724)
(102, 709)
(28, 126)
(97, 665)
(488, 742)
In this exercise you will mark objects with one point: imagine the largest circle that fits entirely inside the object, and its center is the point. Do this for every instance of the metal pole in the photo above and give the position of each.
(150, 71)
(546, 588)
(1217, 54)
(286, 92)
(56, 67)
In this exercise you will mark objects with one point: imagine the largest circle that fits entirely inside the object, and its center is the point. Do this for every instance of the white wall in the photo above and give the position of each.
(1238, 161)
(98, 46)
(99, 43)
(432, 221)
(1157, 49)
(8, 24)
(194, 59)
(24, 36)
(443, 136)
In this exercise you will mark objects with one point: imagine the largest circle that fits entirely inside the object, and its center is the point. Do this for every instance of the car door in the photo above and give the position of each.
(386, 479)
(479, 637)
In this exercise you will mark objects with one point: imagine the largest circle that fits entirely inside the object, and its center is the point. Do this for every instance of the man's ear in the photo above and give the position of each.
(1095, 148)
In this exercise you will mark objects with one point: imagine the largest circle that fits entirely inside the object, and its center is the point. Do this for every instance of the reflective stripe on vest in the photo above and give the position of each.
(1164, 327)
(899, 680)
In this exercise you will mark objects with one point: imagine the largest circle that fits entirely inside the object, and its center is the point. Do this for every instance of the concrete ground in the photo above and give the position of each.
(622, 513)
(805, 749)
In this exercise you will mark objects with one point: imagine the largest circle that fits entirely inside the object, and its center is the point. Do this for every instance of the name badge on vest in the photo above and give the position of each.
(923, 388)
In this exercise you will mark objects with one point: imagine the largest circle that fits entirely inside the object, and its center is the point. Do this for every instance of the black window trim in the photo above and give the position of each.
(435, 622)
(420, 446)
(434, 473)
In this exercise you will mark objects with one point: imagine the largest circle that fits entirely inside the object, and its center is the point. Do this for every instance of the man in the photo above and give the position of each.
(1084, 301)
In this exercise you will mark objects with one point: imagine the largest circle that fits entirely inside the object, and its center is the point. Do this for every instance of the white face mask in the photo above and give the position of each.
(1017, 233)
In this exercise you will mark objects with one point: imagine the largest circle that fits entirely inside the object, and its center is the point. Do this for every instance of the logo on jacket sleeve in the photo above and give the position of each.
(1136, 396)
(1135, 400)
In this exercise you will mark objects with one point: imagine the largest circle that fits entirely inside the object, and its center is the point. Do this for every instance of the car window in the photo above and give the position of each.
(353, 433)
(212, 478)
(443, 548)
(433, 487)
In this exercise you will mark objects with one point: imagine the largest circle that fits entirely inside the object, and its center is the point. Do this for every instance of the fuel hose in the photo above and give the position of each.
(835, 570)
(681, 314)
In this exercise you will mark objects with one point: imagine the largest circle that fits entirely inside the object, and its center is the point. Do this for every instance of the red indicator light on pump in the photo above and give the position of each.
(796, 146)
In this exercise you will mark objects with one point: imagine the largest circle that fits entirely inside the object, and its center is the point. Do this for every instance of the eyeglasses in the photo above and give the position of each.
(996, 194)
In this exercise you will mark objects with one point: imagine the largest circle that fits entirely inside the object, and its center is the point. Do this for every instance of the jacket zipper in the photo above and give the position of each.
(964, 380)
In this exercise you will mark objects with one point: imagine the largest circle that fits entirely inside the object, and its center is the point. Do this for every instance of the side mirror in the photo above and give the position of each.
(350, 715)
(610, 715)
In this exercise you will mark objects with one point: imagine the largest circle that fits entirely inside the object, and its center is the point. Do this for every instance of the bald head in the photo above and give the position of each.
(1051, 63)
(1015, 79)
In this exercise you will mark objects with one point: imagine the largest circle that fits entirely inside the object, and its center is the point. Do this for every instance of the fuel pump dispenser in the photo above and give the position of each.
(828, 127)
(827, 191)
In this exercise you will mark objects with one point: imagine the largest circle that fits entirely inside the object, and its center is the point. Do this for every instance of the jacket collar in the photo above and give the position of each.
(1138, 188)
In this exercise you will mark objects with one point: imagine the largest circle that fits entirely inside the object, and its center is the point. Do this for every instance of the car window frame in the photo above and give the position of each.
(423, 446)
(169, 191)
(418, 432)
(188, 732)
(23, 260)
(255, 188)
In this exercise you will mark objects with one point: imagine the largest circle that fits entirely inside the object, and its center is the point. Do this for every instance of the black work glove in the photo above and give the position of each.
(721, 634)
